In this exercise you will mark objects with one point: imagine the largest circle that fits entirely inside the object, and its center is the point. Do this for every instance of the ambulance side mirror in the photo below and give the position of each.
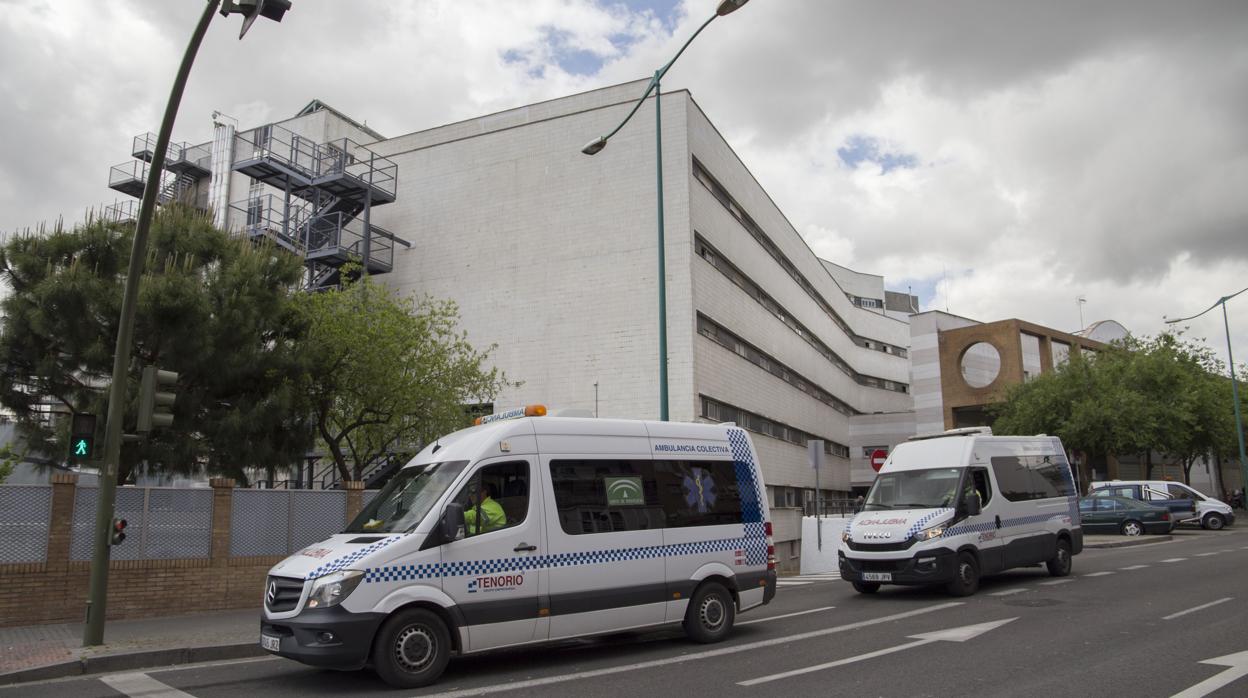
(452, 521)
(972, 505)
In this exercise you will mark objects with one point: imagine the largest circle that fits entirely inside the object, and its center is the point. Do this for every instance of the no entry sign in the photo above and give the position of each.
(878, 456)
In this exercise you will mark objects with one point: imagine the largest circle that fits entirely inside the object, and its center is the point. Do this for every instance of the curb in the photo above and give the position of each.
(139, 659)
(1129, 542)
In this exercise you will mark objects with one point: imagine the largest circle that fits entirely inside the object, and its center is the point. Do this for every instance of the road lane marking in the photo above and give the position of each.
(1238, 664)
(1206, 554)
(1055, 582)
(952, 635)
(140, 685)
(787, 583)
(1009, 592)
(746, 647)
(787, 615)
(1135, 567)
(1197, 608)
(1097, 574)
(1175, 559)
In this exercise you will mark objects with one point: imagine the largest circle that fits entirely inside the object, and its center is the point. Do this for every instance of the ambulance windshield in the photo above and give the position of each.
(932, 488)
(407, 498)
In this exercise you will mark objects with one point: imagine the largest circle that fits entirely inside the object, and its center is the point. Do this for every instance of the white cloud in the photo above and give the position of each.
(1059, 148)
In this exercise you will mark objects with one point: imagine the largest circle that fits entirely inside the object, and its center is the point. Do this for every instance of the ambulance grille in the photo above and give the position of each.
(282, 594)
(881, 547)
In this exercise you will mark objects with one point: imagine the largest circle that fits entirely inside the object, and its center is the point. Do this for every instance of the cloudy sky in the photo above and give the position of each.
(999, 157)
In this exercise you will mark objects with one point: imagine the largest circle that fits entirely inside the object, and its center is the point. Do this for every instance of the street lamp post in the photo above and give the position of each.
(595, 146)
(1230, 360)
(93, 630)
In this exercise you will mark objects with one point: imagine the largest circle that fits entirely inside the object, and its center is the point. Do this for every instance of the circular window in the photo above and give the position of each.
(980, 365)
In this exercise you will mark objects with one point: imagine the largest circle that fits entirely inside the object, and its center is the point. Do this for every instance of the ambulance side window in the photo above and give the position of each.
(496, 497)
(981, 485)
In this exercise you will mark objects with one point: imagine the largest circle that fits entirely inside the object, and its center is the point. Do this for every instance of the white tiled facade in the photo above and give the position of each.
(551, 257)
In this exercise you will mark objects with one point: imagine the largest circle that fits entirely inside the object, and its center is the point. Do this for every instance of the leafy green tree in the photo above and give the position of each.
(216, 309)
(389, 373)
(1163, 395)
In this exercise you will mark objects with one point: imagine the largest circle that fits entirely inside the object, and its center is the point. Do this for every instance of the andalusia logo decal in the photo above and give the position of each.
(699, 490)
(624, 491)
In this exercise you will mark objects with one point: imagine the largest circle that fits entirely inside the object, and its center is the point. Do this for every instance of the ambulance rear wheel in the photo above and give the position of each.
(412, 649)
(710, 614)
(965, 577)
(1059, 566)
(866, 587)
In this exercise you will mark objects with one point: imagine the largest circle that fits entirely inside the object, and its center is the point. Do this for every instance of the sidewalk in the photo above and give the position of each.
(31, 653)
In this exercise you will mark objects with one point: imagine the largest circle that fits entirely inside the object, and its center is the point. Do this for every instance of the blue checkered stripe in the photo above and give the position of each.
(755, 541)
(1009, 523)
(347, 560)
(479, 568)
(922, 521)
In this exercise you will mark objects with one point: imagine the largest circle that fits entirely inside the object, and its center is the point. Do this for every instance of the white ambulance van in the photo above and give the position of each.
(528, 530)
(949, 508)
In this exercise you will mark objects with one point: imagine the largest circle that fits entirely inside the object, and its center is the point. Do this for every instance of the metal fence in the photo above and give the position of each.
(161, 523)
(172, 523)
(25, 511)
(280, 522)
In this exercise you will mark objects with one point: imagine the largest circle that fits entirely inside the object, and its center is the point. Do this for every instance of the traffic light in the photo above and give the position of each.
(82, 437)
(251, 9)
(155, 405)
(118, 533)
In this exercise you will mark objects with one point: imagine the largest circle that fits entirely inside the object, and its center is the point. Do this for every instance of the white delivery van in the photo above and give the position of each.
(1213, 514)
(949, 508)
(528, 530)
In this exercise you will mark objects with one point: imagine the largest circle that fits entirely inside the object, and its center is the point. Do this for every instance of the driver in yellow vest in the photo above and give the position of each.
(491, 512)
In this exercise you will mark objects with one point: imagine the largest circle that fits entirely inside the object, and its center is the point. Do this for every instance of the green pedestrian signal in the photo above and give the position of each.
(82, 437)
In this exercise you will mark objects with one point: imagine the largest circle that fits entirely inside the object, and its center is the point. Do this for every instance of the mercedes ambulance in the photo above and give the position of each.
(949, 508)
(527, 530)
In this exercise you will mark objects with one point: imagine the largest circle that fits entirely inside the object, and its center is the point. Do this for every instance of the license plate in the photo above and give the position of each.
(877, 576)
(271, 643)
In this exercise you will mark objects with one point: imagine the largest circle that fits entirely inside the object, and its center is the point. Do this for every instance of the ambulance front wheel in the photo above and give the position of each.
(866, 587)
(710, 614)
(965, 577)
(412, 648)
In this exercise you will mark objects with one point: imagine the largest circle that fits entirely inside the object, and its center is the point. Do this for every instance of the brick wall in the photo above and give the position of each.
(55, 591)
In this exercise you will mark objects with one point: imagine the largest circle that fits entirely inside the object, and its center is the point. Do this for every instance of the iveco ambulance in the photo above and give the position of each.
(949, 508)
(528, 530)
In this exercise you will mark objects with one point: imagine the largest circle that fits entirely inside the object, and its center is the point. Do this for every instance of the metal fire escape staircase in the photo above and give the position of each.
(327, 190)
(185, 166)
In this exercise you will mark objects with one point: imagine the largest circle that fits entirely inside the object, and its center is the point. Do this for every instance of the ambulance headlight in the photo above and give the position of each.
(844, 536)
(333, 588)
(930, 533)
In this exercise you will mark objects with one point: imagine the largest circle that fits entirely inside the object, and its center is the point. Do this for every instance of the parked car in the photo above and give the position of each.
(1211, 513)
(1130, 517)
(1181, 508)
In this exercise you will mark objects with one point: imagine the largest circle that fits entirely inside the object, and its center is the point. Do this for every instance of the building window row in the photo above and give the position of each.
(868, 303)
(717, 411)
(720, 335)
(728, 269)
(721, 194)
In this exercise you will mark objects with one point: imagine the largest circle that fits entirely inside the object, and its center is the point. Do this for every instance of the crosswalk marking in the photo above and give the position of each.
(138, 685)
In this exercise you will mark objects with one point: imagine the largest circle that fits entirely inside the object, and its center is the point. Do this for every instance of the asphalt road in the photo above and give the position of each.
(1130, 621)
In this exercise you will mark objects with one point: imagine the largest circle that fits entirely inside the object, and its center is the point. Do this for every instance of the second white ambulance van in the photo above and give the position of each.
(949, 508)
(529, 530)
